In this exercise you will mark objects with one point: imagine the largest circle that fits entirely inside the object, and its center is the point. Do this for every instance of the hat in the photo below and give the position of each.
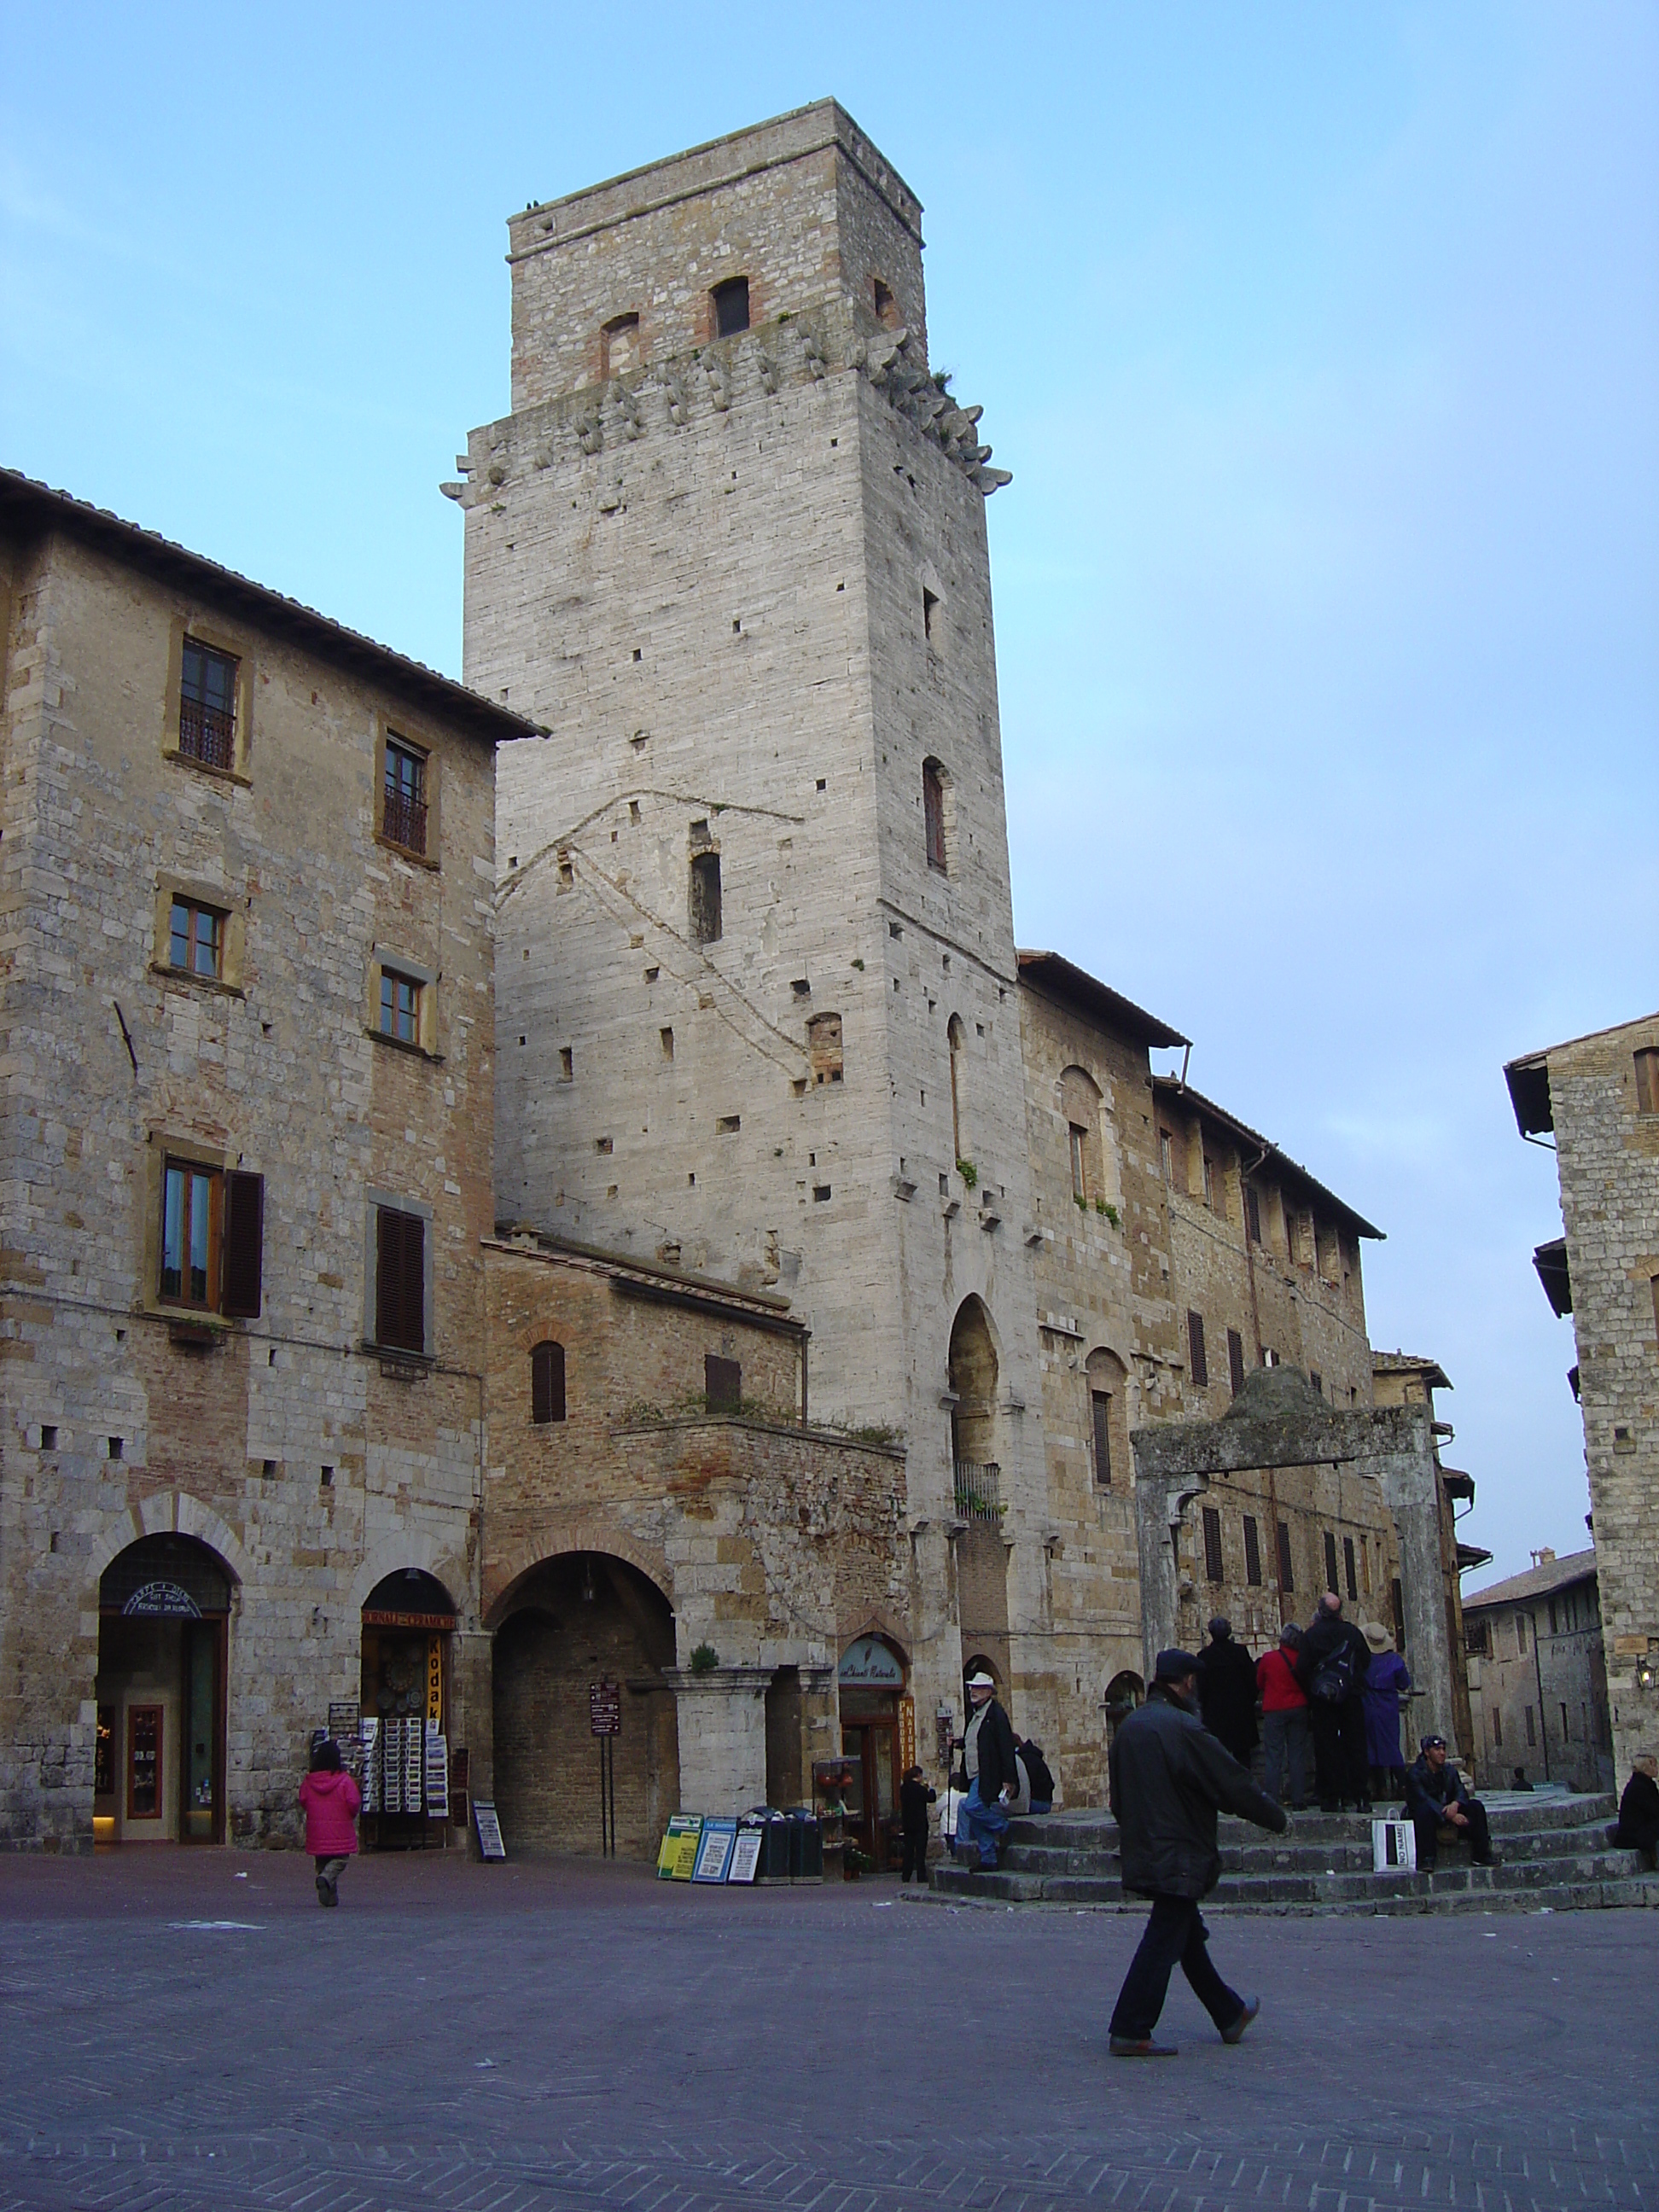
(1174, 1666)
(1377, 1635)
(981, 1682)
(1431, 1743)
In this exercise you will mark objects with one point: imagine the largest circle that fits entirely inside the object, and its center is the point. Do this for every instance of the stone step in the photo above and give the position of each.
(1293, 1853)
(1509, 1815)
(1428, 1893)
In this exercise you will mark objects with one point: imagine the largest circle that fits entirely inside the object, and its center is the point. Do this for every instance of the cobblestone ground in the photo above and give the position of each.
(190, 2031)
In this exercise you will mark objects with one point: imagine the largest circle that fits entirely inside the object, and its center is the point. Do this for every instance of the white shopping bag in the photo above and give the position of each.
(1393, 1847)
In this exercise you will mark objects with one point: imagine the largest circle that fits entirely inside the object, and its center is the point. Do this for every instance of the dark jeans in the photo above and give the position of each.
(1175, 1931)
(915, 1855)
(1428, 1826)
(1285, 1742)
(1341, 1766)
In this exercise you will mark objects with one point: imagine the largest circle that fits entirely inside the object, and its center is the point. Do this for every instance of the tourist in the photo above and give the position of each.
(1387, 1682)
(1332, 1665)
(1639, 1811)
(1169, 1776)
(914, 1798)
(987, 1759)
(331, 1798)
(1435, 1799)
(1029, 1754)
(1226, 1691)
(1285, 1737)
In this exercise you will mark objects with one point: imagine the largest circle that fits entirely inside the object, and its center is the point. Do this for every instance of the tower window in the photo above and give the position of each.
(886, 305)
(1079, 1171)
(823, 1047)
(706, 898)
(932, 812)
(619, 344)
(1252, 1551)
(731, 301)
(929, 608)
(207, 705)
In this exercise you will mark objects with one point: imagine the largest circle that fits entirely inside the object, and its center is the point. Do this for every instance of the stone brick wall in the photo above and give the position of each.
(111, 1427)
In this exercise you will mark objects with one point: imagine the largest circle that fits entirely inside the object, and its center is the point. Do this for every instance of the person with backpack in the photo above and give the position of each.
(1332, 1666)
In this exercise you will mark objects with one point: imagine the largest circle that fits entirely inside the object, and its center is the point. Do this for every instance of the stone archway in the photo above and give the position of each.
(164, 1604)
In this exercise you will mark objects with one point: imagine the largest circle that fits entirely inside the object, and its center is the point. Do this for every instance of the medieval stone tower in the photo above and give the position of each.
(756, 985)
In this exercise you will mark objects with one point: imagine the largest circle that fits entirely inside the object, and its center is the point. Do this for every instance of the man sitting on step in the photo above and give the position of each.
(1435, 1799)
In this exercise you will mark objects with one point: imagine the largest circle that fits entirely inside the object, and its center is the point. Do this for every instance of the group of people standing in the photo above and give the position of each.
(1333, 1687)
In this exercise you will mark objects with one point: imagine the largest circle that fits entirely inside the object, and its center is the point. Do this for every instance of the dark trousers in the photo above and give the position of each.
(1341, 1769)
(1428, 1826)
(1175, 1933)
(915, 1854)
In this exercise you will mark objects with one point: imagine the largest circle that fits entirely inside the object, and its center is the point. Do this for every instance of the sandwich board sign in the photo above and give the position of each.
(490, 1829)
(714, 1850)
(745, 1856)
(677, 1860)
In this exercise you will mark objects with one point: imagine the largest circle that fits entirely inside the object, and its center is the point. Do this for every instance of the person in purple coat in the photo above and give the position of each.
(1386, 1683)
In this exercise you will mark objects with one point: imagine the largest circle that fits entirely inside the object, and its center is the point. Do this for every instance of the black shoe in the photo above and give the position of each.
(1425, 1866)
(322, 1891)
(1140, 2046)
(1235, 2033)
(1492, 1859)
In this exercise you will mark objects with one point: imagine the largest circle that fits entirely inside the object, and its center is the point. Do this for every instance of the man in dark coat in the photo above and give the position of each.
(1435, 1799)
(1332, 1666)
(1169, 1776)
(914, 1798)
(1226, 1691)
(987, 1755)
(1639, 1810)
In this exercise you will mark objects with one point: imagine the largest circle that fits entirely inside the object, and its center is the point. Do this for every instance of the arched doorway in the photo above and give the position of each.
(870, 1682)
(408, 1623)
(582, 1618)
(1123, 1693)
(163, 1624)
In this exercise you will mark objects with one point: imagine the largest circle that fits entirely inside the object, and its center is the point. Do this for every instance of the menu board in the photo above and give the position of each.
(490, 1830)
(714, 1850)
(677, 1861)
(745, 1856)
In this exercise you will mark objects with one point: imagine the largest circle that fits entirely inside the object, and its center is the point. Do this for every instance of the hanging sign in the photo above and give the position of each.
(434, 1678)
(604, 1708)
(906, 1734)
(677, 1860)
(745, 1856)
(714, 1850)
(868, 1664)
(490, 1830)
(162, 1602)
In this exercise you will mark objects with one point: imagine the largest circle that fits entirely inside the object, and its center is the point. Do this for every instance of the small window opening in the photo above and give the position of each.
(929, 603)
(1166, 1155)
(886, 305)
(567, 1064)
(731, 302)
(667, 1039)
(400, 1006)
(547, 1383)
(48, 1436)
(619, 349)
(1647, 1082)
(823, 1047)
(326, 1478)
(932, 810)
(820, 1193)
(1253, 1214)
(802, 987)
(117, 1447)
(706, 898)
(196, 940)
(722, 1384)
(728, 1125)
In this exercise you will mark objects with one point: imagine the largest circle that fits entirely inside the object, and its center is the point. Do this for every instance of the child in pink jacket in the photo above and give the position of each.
(330, 1799)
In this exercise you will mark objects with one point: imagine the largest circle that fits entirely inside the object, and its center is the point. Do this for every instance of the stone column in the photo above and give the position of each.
(1411, 1485)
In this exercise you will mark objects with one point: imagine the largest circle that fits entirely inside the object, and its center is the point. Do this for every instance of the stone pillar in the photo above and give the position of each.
(722, 1737)
(1411, 1485)
(1160, 1505)
(471, 1718)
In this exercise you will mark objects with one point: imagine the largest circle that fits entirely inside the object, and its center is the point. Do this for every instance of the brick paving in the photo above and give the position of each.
(531, 2038)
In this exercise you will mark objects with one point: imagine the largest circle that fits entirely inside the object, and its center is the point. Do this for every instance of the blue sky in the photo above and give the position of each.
(1322, 341)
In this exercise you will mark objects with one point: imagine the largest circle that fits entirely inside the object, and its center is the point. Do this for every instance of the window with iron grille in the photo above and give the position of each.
(207, 705)
(547, 1383)
(1212, 1564)
(1236, 1360)
(399, 1279)
(1349, 1576)
(1252, 1551)
(1198, 1365)
(1286, 1579)
(722, 1384)
(1330, 1561)
(212, 1238)
(400, 1006)
(196, 940)
(403, 797)
(933, 813)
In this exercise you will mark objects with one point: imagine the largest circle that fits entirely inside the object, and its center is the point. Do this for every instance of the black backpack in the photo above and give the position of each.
(1333, 1682)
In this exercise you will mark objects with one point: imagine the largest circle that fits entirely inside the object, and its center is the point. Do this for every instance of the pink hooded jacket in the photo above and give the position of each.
(331, 1802)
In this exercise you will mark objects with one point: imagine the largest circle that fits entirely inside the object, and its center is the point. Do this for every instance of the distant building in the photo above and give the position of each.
(1538, 1681)
(1599, 1096)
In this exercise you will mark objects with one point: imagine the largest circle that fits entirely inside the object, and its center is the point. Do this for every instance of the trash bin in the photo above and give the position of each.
(806, 1845)
(774, 1849)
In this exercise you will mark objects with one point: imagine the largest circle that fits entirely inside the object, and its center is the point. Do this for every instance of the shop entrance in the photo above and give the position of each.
(873, 1741)
(163, 1623)
(408, 1621)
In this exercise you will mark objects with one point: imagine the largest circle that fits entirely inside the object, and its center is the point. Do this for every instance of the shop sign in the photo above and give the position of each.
(604, 1708)
(162, 1602)
(714, 1850)
(677, 1860)
(906, 1734)
(378, 1617)
(434, 1680)
(869, 1664)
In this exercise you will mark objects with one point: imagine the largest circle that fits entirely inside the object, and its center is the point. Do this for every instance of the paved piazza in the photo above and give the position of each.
(525, 2037)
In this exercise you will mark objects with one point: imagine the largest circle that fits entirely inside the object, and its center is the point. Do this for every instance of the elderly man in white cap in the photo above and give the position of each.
(987, 1755)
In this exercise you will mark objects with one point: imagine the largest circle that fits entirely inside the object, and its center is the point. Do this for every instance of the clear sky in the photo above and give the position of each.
(1322, 341)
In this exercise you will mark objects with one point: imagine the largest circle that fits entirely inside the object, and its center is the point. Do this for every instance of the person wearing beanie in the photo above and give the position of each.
(1169, 1777)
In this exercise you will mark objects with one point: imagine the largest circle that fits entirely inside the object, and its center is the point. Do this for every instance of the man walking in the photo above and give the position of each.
(1169, 1776)
(987, 1756)
(1334, 1662)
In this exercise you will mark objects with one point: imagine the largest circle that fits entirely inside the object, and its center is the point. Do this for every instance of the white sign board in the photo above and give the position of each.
(490, 1830)
(1393, 1847)
(745, 1856)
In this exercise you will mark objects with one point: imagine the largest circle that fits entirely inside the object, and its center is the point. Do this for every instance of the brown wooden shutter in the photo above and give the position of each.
(1330, 1561)
(1200, 1366)
(1212, 1567)
(1236, 1360)
(1349, 1577)
(1286, 1579)
(400, 1280)
(241, 1283)
(722, 1384)
(1252, 1550)
(547, 1383)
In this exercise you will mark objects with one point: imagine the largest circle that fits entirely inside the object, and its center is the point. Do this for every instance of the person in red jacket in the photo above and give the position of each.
(1284, 1725)
(331, 1798)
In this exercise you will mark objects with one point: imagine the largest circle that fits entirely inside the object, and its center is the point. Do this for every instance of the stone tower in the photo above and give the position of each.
(756, 983)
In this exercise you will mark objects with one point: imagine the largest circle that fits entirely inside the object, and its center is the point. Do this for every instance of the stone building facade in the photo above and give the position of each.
(227, 827)
(1599, 1096)
(1538, 1680)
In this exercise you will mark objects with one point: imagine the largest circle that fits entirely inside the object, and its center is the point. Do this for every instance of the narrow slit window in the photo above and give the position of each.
(1647, 1082)
(1079, 1138)
(1101, 1406)
(547, 1383)
(1253, 1213)
(1286, 1578)
(933, 809)
(1330, 1561)
(706, 919)
(1350, 1575)
(1236, 1360)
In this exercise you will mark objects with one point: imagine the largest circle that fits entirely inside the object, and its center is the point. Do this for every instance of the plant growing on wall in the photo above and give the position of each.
(705, 1659)
(968, 1172)
(1104, 1206)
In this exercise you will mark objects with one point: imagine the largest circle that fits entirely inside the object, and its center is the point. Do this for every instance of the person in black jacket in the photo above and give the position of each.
(1036, 1771)
(1639, 1810)
(987, 1755)
(1435, 1799)
(914, 1798)
(1332, 1666)
(1169, 1776)
(1226, 1691)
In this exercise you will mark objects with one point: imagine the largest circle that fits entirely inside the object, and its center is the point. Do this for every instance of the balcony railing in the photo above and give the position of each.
(403, 821)
(979, 1490)
(207, 733)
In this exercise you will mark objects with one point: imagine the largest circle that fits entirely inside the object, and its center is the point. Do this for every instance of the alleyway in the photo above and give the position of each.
(190, 2031)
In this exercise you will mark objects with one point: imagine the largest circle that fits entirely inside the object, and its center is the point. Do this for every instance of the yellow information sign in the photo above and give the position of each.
(677, 1861)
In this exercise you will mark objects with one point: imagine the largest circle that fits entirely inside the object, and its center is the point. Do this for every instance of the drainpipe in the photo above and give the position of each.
(1543, 1715)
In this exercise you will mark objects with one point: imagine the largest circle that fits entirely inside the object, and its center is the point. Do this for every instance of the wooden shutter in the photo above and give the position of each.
(1286, 1579)
(400, 1280)
(1330, 1561)
(242, 1273)
(722, 1384)
(547, 1383)
(1352, 1579)
(1200, 1366)
(1252, 1550)
(1212, 1567)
